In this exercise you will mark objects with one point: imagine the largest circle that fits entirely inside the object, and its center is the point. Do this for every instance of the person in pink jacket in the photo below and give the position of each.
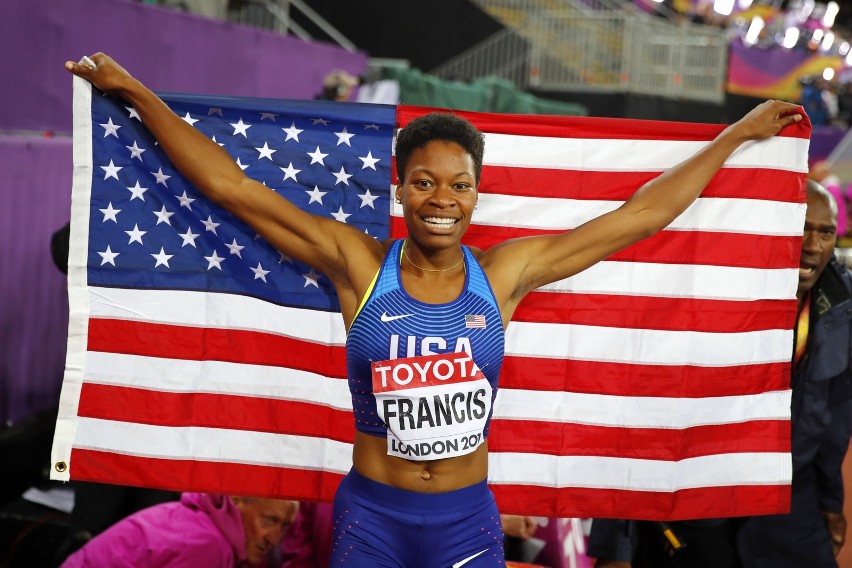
(199, 530)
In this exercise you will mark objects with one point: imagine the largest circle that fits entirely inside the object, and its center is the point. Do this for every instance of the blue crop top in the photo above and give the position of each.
(391, 325)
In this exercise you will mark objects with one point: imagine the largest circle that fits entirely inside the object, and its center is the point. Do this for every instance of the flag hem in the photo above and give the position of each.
(78, 303)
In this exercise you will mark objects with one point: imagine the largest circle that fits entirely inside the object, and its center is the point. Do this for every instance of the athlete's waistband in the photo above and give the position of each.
(406, 501)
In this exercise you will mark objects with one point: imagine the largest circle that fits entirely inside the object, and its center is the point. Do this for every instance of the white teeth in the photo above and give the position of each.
(439, 221)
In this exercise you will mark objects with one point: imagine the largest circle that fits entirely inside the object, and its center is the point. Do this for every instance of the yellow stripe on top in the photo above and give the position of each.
(367, 294)
(373, 284)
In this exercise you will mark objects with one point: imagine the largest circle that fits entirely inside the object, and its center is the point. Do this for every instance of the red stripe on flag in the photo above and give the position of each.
(588, 127)
(206, 410)
(568, 439)
(214, 344)
(631, 379)
(648, 312)
(738, 183)
(205, 477)
(667, 247)
(700, 503)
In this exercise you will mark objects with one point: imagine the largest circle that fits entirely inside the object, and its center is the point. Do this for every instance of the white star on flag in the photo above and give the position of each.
(342, 176)
(371, 127)
(161, 177)
(316, 195)
(110, 129)
(235, 248)
(162, 258)
(185, 200)
(343, 137)
(214, 260)
(135, 234)
(214, 110)
(270, 115)
(292, 132)
(110, 213)
(240, 127)
(111, 171)
(137, 192)
(311, 279)
(290, 172)
(188, 238)
(188, 119)
(108, 257)
(265, 151)
(317, 157)
(367, 199)
(369, 161)
(241, 165)
(210, 225)
(339, 215)
(163, 216)
(259, 272)
(322, 121)
(132, 113)
(135, 151)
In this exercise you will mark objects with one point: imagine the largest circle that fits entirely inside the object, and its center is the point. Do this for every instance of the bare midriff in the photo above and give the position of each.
(371, 460)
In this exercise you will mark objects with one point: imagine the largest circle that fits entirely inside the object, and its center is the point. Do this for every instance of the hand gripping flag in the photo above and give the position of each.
(653, 385)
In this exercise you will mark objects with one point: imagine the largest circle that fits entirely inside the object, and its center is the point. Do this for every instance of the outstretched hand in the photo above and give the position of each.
(767, 119)
(107, 75)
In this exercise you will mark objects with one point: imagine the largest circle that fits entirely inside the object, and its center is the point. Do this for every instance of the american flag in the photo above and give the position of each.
(653, 385)
(474, 321)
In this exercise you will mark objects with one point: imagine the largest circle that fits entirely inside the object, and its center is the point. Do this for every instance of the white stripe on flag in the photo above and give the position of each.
(681, 281)
(625, 155)
(212, 444)
(724, 215)
(213, 310)
(217, 377)
(648, 346)
(640, 475)
(640, 412)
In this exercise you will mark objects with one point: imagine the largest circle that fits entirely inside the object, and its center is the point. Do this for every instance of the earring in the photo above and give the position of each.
(398, 200)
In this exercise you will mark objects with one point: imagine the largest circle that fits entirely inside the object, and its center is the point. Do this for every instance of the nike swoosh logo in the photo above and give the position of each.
(469, 558)
(386, 318)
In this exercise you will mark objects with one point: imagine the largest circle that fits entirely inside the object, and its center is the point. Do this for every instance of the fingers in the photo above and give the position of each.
(87, 64)
(82, 68)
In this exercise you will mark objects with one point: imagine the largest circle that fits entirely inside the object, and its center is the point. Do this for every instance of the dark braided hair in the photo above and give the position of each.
(439, 126)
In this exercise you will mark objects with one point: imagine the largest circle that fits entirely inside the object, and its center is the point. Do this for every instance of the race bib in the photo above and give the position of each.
(434, 407)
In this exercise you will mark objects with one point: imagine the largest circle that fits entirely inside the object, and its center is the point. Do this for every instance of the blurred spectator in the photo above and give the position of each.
(821, 173)
(813, 102)
(844, 104)
(338, 86)
(199, 530)
(829, 97)
(308, 543)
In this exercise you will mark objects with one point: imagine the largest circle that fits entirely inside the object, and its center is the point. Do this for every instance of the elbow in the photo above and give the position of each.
(649, 223)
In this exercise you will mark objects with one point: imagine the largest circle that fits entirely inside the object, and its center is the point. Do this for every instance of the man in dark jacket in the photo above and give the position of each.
(821, 416)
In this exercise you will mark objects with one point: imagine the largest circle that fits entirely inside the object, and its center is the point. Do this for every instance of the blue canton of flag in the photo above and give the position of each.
(150, 228)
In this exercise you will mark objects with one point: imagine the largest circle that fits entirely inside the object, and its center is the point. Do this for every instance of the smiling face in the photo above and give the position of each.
(265, 521)
(819, 240)
(438, 193)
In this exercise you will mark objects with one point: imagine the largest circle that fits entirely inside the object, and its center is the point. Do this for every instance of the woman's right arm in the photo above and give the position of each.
(322, 243)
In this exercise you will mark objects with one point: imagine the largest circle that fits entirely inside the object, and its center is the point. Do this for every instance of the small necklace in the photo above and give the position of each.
(405, 254)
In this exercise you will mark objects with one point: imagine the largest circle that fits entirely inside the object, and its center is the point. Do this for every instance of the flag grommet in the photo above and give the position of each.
(60, 466)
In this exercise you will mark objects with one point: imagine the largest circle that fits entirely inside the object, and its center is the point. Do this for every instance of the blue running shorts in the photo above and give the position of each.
(376, 525)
